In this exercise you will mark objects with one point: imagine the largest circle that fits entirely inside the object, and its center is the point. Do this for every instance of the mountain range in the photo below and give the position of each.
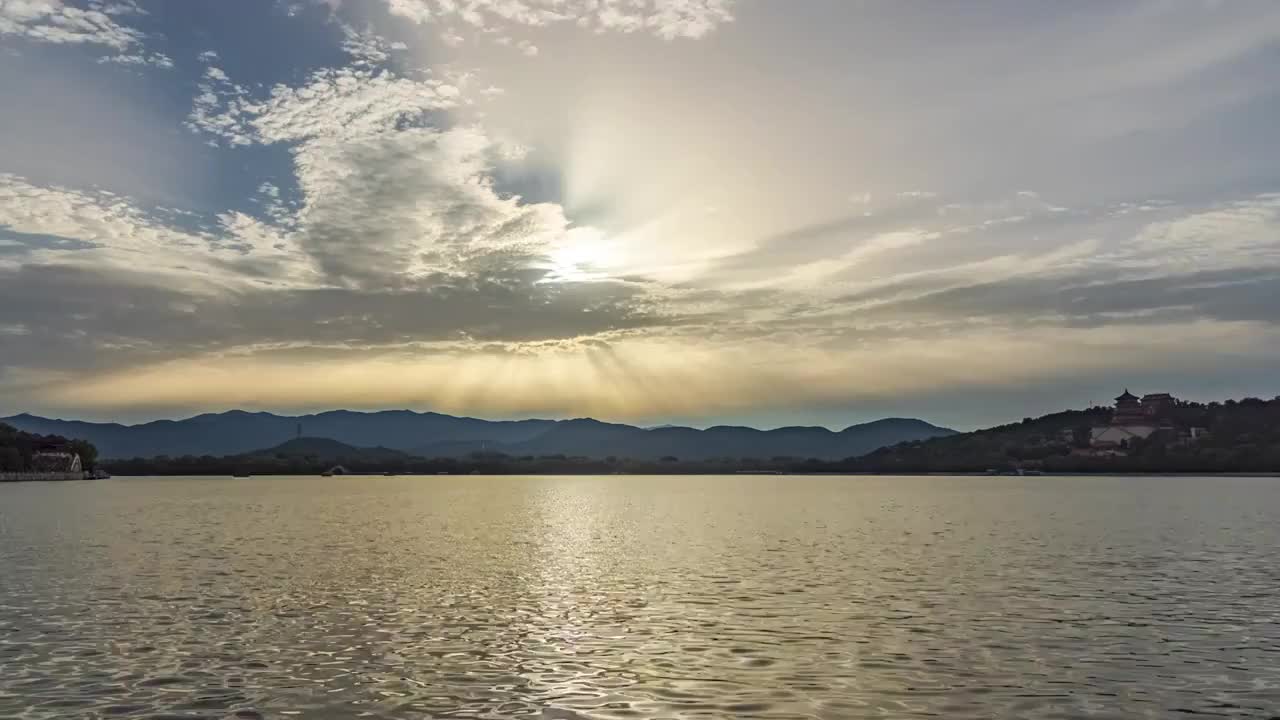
(436, 435)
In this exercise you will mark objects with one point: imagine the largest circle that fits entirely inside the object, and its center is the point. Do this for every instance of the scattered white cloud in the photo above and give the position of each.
(334, 105)
(104, 231)
(669, 19)
(273, 205)
(1242, 234)
(688, 18)
(158, 60)
(217, 108)
(415, 10)
(611, 17)
(367, 48)
(56, 21)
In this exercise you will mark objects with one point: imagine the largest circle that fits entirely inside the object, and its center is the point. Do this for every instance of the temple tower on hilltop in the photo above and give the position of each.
(1128, 410)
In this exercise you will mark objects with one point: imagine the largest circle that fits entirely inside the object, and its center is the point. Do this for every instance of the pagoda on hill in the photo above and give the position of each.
(1128, 410)
(1133, 419)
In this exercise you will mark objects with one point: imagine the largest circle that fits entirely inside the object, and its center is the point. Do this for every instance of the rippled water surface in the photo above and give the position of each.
(631, 597)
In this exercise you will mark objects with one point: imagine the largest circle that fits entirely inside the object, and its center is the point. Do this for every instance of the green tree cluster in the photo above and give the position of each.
(17, 449)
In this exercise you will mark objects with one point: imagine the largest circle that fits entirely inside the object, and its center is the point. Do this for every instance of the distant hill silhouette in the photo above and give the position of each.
(435, 435)
(237, 431)
(592, 438)
(326, 450)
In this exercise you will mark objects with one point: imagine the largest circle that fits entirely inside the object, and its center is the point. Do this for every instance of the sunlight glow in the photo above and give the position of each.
(585, 254)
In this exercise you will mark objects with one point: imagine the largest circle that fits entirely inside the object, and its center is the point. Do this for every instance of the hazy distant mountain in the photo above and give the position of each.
(237, 431)
(593, 438)
(435, 435)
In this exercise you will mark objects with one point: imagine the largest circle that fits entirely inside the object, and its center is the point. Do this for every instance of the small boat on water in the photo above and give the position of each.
(241, 475)
(97, 474)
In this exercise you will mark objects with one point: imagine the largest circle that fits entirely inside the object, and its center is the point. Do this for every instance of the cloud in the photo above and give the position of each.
(107, 232)
(109, 318)
(55, 21)
(158, 60)
(504, 236)
(139, 286)
(668, 19)
(644, 377)
(367, 48)
(396, 237)
(1090, 300)
(836, 251)
(387, 197)
(688, 18)
(1244, 234)
(335, 105)
(1188, 264)
(824, 271)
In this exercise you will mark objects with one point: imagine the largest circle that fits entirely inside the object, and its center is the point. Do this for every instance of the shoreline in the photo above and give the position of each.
(1275, 474)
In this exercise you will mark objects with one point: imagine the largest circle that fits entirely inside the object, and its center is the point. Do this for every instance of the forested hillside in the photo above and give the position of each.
(17, 448)
(1240, 436)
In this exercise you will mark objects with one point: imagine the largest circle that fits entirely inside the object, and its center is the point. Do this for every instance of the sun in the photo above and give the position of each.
(583, 254)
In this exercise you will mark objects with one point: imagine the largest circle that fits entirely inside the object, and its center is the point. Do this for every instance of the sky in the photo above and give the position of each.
(650, 211)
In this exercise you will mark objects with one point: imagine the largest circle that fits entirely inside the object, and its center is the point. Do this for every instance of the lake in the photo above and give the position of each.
(640, 597)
